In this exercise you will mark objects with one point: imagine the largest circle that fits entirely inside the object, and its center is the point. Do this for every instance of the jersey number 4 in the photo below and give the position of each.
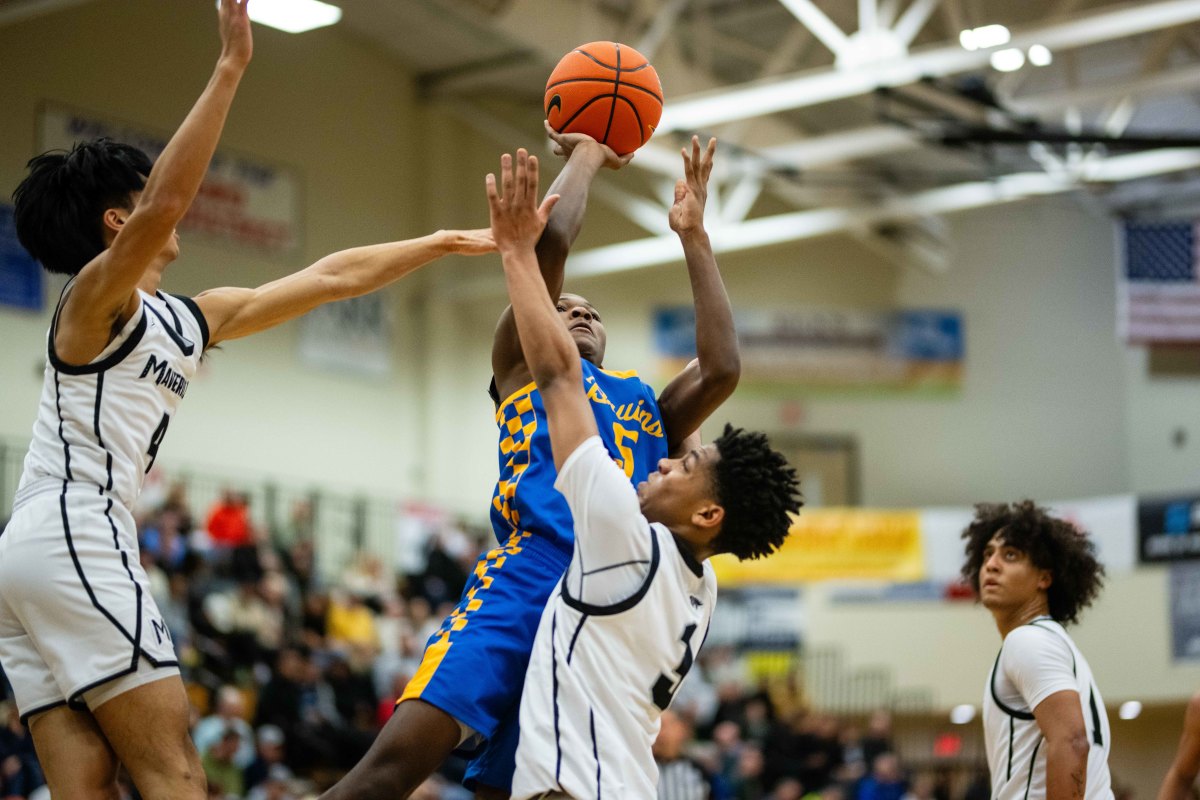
(665, 687)
(156, 438)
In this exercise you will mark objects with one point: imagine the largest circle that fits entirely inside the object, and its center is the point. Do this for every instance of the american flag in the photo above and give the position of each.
(1158, 293)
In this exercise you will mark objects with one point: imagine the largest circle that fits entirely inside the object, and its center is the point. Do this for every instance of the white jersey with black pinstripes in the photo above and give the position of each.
(102, 423)
(615, 641)
(1035, 661)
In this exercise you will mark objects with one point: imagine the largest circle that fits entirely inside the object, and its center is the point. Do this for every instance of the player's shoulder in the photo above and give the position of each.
(1037, 637)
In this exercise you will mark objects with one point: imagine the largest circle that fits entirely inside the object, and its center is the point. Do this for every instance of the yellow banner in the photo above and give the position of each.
(837, 544)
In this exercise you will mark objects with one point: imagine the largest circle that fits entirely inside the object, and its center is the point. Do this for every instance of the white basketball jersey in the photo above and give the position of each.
(615, 641)
(102, 423)
(1035, 661)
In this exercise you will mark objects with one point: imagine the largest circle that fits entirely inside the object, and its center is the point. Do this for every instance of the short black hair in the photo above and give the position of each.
(60, 205)
(758, 491)
(1051, 543)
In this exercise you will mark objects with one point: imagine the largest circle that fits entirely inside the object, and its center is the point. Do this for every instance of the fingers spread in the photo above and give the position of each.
(493, 197)
(506, 175)
(531, 178)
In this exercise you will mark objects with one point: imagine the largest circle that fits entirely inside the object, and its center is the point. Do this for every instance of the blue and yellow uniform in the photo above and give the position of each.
(474, 665)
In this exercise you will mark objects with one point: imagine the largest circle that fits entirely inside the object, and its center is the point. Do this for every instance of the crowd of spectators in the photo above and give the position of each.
(291, 677)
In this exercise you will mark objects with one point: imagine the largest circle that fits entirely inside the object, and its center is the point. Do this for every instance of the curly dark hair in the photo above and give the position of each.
(1052, 544)
(60, 205)
(758, 491)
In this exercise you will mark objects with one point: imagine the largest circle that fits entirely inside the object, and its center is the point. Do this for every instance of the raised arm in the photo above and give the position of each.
(104, 295)
(1177, 785)
(553, 357)
(1060, 719)
(232, 313)
(585, 156)
(708, 381)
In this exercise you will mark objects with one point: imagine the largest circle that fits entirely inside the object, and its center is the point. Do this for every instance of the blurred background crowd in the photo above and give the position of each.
(290, 676)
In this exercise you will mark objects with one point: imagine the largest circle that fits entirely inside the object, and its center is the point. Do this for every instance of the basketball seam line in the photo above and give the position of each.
(610, 66)
(612, 108)
(603, 80)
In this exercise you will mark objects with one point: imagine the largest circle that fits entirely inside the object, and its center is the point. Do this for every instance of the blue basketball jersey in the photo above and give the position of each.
(525, 500)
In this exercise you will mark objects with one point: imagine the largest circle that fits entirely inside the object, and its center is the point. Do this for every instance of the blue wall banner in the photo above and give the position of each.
(1168, 528)
(22, 282)
(905, 350)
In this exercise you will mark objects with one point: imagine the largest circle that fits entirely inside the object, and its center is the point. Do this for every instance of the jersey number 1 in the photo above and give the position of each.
(156, 438)
(665, 687)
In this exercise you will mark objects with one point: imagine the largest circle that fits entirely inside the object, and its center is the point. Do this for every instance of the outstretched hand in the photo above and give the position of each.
(474, 243)
(565, 144)
(237, 43)
(517, 219)
(691, 191)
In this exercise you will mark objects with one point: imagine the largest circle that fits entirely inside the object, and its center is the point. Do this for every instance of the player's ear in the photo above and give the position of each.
(1045, 579)
(114, 220)
(708, 516)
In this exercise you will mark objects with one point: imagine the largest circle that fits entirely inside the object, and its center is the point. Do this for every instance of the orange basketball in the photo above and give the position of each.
(608, 91)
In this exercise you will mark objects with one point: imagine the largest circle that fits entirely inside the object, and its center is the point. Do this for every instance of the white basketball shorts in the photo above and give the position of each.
(77, 623)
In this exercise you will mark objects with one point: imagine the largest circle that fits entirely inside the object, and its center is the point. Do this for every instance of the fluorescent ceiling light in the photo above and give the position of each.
(984, 37)
(294, 16)
(1130, 709)
(1040, 55)
(1008, 60)
(961, 715)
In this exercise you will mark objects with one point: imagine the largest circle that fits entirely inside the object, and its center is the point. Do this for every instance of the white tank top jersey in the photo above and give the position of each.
(615, 641)
(1035, 661)
(102, 423)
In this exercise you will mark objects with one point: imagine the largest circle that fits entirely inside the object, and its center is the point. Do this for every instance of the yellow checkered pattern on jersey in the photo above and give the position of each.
(518, 421)
(458, 619)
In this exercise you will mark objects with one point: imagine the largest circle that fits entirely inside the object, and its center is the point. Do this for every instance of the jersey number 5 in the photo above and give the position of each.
(620, 434)
(156, 438)
(665, 687)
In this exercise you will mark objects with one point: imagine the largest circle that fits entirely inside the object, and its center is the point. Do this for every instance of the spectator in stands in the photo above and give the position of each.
(353, 693)
(270, 753)
(219, 767)
(163, 538)
(20, 772)
(228, 522)
(299, 561)
(923, 787)
(679, 777)
(886, 781)
(746, 783)
(820, 751)
(787, 789)
(878, 739)
(229, 714)
(277, 785)
(350, 621)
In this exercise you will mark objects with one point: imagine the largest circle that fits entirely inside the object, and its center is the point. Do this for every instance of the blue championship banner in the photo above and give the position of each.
(911, 350)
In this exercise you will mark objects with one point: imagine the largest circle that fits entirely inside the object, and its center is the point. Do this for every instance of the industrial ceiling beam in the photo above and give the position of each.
(791, 227)
(820, 86)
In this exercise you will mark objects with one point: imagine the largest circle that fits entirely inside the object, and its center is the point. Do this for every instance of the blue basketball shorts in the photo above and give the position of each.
(474, 664)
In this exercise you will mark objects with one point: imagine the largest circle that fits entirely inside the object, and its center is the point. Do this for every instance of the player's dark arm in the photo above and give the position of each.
(553, 357)
(708, 381)
(1060, 719)
(1177, 785)
(104, 293)
(232, 313)
(585, 157)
